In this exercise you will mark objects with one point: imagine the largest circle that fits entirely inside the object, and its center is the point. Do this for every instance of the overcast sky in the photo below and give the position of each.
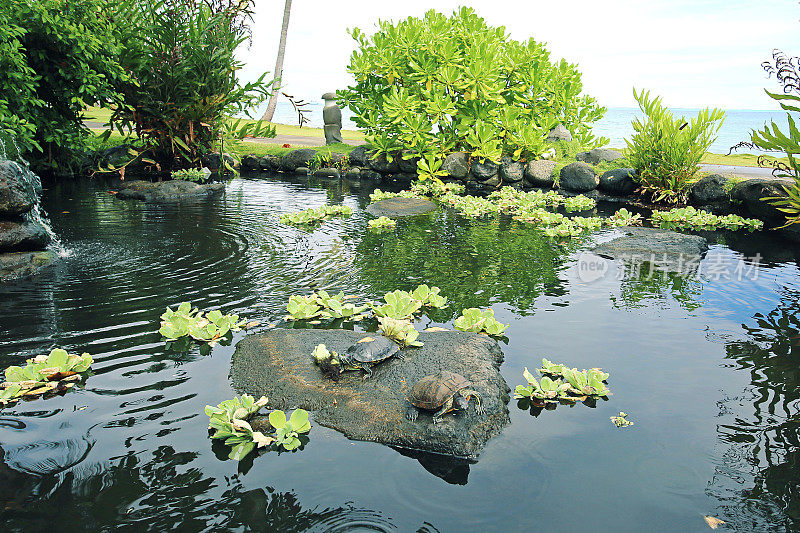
(693, 53)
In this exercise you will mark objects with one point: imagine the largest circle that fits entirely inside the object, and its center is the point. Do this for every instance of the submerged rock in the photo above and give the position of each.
(398, 207)
(666, 249)
(278, 364)
(168, 191)
(15, 265)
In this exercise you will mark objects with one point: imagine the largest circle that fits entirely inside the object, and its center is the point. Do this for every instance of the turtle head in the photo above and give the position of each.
(462, 402)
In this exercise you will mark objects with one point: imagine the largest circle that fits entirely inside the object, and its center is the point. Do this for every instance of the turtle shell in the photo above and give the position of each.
(431, 392)
(372, 349)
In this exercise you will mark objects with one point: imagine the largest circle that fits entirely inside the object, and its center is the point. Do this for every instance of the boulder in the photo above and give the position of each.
(371, 175)
(484, 169)
(409, 165)
(578, 177)
(491, 184)
(559, 133)
(327, 172)
(15, 196)
(456, 165)
(539, 173)
(353, 174)
(22, 236)
(381, 164)
(270, 162)
(277, 364)
(511, 171)
(171, 191)
(618, 181)
(251, 162)
(664, 249)
(598, 155)
(295, 159)
(399, 206)
(709, 190)
(358, 156)
(212, 161)
(752, 192)
(15, 265)
(404, 177)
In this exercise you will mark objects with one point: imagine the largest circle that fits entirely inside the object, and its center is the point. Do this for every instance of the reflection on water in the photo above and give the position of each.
(716, 405)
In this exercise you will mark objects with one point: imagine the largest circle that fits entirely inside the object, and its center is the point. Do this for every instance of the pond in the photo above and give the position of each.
(707, 367)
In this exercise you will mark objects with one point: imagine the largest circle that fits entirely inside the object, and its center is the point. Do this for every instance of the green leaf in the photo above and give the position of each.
(277, 419)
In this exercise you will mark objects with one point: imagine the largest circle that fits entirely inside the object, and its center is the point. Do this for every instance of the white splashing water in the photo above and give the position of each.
(9, 150)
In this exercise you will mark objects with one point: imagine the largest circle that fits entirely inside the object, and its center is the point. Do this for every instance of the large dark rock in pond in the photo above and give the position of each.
(15, 199)
(456, 165)
(295, 159)
(753, 191)
(251, 162)
(408, 162)
(483, 169)
(16, 265)
(668, 250)
(598, 155)
(278, 365)
(171, 191)
(709, 189)
(559, 133)
(358, 157)
(618, 181)
(22, 236)
(510, 171)
(539, 173)
(578, 177)
(327, 172)
(213, 161)
(399, 207)
(382, 164)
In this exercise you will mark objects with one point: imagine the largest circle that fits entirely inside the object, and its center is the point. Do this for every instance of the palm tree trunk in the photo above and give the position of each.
(273, 98)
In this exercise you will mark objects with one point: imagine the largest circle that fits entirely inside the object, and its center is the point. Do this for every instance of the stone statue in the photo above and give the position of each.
(332, 116)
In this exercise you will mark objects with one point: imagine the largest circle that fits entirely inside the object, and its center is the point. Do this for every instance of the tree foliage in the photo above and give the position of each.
(437, 84)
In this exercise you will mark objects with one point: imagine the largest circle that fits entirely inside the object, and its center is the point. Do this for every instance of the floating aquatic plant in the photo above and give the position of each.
(477, 321)
(550, 368)
(697, 219)
(381, 223)
(377, 195)
(402, 332)
(546, 390)
(323, 305)
(560, 382)
(229, 421)
(621, 421)
(399, 305)
(187, 321)
(43, 374)
(303, 307)
(429, 296)
(312, 216)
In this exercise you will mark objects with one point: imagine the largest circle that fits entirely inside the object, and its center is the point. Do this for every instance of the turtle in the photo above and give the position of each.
(368, 352)
(443, 392)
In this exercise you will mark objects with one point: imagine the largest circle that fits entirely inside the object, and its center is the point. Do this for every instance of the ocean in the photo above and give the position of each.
(616, 125)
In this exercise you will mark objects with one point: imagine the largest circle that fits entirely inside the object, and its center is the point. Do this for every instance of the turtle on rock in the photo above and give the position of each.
(368, 352)
(442, 393)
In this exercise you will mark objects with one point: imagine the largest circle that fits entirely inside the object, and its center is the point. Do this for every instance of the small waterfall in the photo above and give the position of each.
(33, 189)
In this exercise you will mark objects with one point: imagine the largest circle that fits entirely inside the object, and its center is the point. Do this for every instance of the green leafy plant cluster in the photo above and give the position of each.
(229, 421)
(382, 222)
(56, 58)
(665, 151)
(477, 321)
(509, 199)
(377, 195)
(326, 159)
(697, 219)
(402, 332)
(621, 421)
(43, 374)
(313, 216)
(437, 84)
(196, 175)
(323, 305)
(399, 305)
(183, 65)
(209, 327)
(561, 383)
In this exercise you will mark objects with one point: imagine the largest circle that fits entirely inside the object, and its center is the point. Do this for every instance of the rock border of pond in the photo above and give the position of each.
(714, 192)
(278, 365)
(170, 191)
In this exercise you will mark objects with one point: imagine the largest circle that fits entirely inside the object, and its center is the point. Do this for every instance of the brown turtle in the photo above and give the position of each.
(442, 393)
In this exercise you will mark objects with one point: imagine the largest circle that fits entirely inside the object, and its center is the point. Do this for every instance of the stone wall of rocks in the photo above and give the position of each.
(21, 239)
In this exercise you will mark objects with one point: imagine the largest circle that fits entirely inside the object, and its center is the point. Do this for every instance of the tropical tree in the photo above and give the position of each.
(278, 83)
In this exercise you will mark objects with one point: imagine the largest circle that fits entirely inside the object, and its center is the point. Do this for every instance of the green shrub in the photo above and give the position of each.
(435, 84)
(56, 58)
(665, 151)
(182, 56)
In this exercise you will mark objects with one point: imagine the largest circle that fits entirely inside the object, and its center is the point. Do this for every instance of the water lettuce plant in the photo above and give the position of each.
(402, 332)
(478, 321)
(312, 216)
(399, 305)
(697, 219)
(187, 321)
(338, 310)
(621, 421)
(303, 307)
(382, 222)
(328, 361)
(546, 390)
(229, 421)
(196, 175)
(377, 195)
(323, 305)
(550, 368)
(43, 374)
(560, 382)
(429, 296)
(586, 382)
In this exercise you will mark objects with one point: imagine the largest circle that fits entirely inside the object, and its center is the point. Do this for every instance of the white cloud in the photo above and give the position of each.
(693, 53)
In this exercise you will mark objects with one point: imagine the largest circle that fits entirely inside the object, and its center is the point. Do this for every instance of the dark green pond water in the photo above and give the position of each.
(708, 369)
